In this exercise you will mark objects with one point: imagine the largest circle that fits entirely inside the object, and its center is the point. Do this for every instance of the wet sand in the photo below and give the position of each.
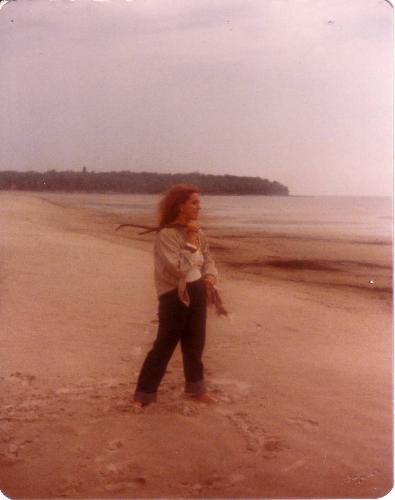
(302, 367)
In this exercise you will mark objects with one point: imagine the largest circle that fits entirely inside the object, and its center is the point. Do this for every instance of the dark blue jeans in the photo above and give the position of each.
(177, 322)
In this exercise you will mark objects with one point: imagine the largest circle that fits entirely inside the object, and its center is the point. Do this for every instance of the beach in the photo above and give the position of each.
(301, 367)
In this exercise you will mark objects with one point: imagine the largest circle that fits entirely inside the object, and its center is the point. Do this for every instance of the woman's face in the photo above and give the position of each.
(190, 209)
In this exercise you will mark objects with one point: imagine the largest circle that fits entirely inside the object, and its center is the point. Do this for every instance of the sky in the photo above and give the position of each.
(297, 91)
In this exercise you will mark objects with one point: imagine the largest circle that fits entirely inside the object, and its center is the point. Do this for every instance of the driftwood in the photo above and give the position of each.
(148, 229)
(213, 297)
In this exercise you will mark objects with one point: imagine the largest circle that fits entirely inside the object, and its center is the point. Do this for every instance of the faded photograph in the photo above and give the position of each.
(196, 255)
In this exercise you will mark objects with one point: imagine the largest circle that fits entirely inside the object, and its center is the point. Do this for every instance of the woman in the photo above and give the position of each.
(183, 270)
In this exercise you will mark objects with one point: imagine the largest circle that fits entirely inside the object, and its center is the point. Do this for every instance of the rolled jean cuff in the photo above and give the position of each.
(145, 397)
(195, 387)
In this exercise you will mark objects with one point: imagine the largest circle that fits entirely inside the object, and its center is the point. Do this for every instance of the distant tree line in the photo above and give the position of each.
(135, 182)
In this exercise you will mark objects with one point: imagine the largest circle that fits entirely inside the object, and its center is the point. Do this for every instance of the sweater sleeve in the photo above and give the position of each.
(169, 250)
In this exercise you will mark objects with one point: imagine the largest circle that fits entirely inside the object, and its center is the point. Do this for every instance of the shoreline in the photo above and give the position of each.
(120, 193)
(302, 371)
(268, 253)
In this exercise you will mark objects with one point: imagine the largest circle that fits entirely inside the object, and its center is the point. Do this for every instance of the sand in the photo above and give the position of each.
(302, 367)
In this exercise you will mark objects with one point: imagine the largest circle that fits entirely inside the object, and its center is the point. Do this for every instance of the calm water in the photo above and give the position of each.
(359, 216)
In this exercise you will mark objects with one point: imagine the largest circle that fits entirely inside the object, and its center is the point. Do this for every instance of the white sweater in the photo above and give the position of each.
(175, 264)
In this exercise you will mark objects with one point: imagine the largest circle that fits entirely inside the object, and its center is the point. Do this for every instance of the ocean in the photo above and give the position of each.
(320, 215)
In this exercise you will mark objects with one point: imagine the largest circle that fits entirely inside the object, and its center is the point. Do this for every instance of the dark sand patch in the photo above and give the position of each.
(284, 264)
(245, 235)
(308, 265)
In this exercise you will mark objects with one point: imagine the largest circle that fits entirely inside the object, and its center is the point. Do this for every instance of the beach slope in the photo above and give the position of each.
(302, 374)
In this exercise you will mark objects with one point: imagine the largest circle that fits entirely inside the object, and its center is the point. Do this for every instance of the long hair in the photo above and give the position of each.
(169, 205)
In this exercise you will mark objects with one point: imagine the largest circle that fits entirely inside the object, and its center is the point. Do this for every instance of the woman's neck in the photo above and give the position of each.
(181, 219)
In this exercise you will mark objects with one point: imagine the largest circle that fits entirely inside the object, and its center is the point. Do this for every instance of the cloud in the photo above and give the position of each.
(257, 87)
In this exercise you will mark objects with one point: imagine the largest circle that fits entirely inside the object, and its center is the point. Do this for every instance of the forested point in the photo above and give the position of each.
(135, 182)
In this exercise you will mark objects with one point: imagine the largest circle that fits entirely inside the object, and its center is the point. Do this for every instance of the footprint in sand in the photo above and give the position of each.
(190, 409)
(253, 434)
(63, 390)
(122, 475)
(257, 440)
(294, 466)
(361, 477)
(132, 354)
(214, 482)
(236, 477)
(178, 406)
(114, 445)
(26, 411)
(11, 454)
(306, 423)
(9, 459)
(70, 488)
(120, 486)
(229, 390)
(23, 378)
(125, 407)
(167, 405)
(272, 446)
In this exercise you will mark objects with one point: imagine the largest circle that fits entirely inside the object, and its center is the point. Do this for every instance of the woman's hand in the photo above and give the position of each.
(210, 280)
(192, 232)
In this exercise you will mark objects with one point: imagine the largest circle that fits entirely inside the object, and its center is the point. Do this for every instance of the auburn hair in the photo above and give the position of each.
(169, 205)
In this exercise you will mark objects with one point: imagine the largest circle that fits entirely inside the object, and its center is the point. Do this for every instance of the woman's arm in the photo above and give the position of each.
(209, 271)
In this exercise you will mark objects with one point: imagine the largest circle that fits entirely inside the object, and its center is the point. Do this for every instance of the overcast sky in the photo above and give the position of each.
(298, 91)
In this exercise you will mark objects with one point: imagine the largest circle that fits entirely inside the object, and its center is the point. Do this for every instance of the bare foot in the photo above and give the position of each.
(137, 405)
(204, 398)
